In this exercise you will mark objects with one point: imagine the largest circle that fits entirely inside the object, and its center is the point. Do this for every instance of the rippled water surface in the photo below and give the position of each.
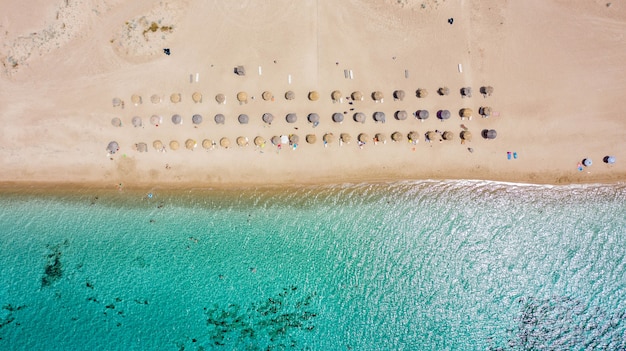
(426, 265)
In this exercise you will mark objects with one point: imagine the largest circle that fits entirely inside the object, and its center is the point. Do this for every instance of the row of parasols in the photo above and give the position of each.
(294, 139)
(314, 118)
(336, 96)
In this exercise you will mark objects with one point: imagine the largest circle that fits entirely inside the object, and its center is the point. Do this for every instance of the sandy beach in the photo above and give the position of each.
(70, 67)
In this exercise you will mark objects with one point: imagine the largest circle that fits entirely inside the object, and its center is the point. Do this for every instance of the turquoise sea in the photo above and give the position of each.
(425, 265)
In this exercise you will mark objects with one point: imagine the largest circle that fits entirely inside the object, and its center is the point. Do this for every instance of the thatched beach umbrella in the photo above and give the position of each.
(220, 98)
(431, 136)
(380, 137)
(379, 117)
(486, 91)
(443, 91)
(259, 141)
(242, 141)
(337, 117)
(268, 118)
(243, 119)
(443, 114)
(117, 102)
(207, 144)
(335, 95)
(158, 145)
(137, 122)
(422, 114)
(242, 97)
(421, 93)
(196, 119)
(466, 135)
(175, 98)
(177, 119)
(190, 144)
(447, 135)
(466, 113)
(489, 133)
(196, 97)
(314, 95)
(136, 99)
(357, 96)
(466, 92)
(113, 147)
(294, 139)
(174, 145)
(275, 140)
(377, 96)
(363, 137)
(485, 111)
(291, 118)
(401, 115)
(220, 118)
(225, 143)
(328, 138)
(399, 95)
(267, 95)
(156, 120)
(413, 136)
(396, 136)
(360, 117)
(155, 99)
(313, 117)
(116, 122)
(345, 138)
(311, 138)
(290, 95)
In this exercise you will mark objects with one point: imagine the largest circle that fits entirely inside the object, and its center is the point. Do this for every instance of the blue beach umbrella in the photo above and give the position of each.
(609, 159)
(587, 162)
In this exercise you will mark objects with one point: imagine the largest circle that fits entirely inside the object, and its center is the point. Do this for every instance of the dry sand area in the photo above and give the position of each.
(558, 69)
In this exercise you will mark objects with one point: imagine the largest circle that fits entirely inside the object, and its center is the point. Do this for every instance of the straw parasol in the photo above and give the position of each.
(335, 95)
(243, 119)
(401, 115)
(156, 120)
(377, 96)
(486, 91)
(275, 140)
(291, 118)
(489, 133)
(422, 114)
(328, 138)
(196, 97)
(225, 143)
(313, 117)
(485, 111)
(337, 117)
(380, 137)
(220, 98)
(177, 119)
(421, 93)
(220, 119)
(314, 95)
(174, 145)
(113, 147)
(363, 137)
(116, 122)
(357, 96)
(399, 95)
(207, 144)
(443, 114)
(359, 117)
(268, 118)
(155, 99)
(267, 96)
(431, 136)
(136, 99)
(413, 136)
(447, 135)
(443, 91)
(196, 119)
(294, 139)
(466, 135)
(259, 141)
(290, 95)
(345, 138)
(466, 113)
(396, 136)
(175, 98)
(242, 141)
(137, 122)
(158, 145)
(379, 117)
(311, 138)
(117, 102)
(190, 144)
(242, 97)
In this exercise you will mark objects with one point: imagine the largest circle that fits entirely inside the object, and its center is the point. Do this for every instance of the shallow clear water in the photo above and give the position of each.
(453, 265)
